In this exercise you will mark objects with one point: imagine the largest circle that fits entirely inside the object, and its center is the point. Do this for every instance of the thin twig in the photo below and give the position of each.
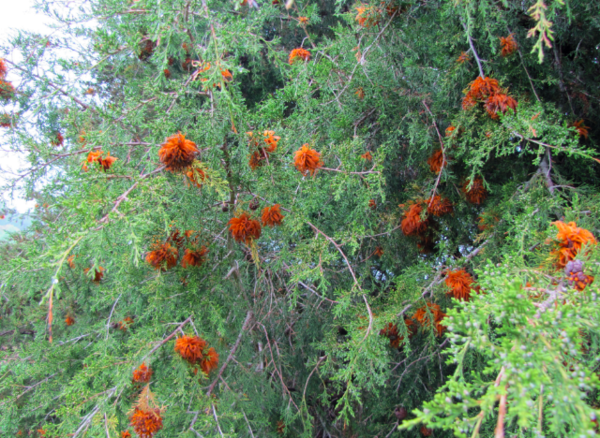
(249, 317)
(110, 316)
(168, 338)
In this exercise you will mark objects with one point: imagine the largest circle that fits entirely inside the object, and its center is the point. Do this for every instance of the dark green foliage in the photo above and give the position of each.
(296, 315)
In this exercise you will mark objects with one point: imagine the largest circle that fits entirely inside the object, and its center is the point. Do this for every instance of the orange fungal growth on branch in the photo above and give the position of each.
(307, 160)
(459, 282)
(142, 374)
(177, 153)
(210, 361)
(297, 54)
(271, 216)
(372, 204)
(125, 324)
(390, 331)
(147, 422)
(98, 274)
(7, 90)
(412, 224)
(125, 434)
(582, 130)
(3, 69)
(69, 320)
(482, 88)
(477, 193)
(367, 156)
(162, 256)
(378, 251)
(449, 130)
(571, 239)
(244, 228)
(499, 103)
(59, 140)
(196, 177)
(257, 158)
(5, 120)
(436, 161)
(271, 140)
(509, 45)
(464, 57)
(227, 76)
(194, 258)
(439, 207)
(191, 348)
(107, 162)
(367, 16)
(424, 317)
(487, 91)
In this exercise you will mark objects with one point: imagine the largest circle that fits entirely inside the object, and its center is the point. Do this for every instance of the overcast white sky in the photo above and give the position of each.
(18, 14)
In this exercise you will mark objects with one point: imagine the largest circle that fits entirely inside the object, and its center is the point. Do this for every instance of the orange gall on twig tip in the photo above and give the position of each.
(177, 153)
(412, 224)
(460, 284)
(146, 423)
(191, 348)
(571, 240)
(98, 274)
(298, 54)
(477, 193)
(424, 314)
(244, 229)
(464, 57)
(163, 256)
(437, 162)
(509, 45)
(194, 258)
(271, 216)
(142, 374)
(307, 160)
(439, 206)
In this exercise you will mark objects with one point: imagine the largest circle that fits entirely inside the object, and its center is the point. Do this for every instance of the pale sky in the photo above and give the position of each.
(18, 14)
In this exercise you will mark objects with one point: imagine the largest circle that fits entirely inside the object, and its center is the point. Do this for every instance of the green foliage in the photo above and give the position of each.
(303, 318)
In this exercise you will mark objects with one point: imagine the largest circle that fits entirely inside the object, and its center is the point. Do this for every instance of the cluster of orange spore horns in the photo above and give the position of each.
(194, 350)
